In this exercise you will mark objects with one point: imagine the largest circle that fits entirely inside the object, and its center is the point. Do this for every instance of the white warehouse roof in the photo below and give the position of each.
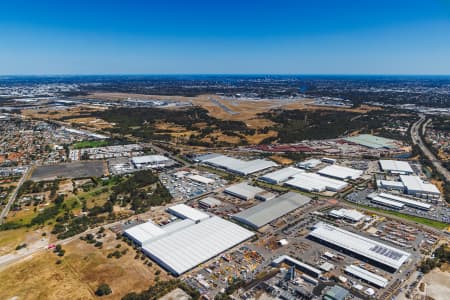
(406, 201)
(265, 212)
(149, 159)
(144, 232)
(281, 175)
(340, 172)
(396, 166)
(201, 179)
(244, 167)
(312, 182)
(186, 212)
(371, 249)
(350, 214)
(390, 184)
(185, 249)
(386, 202)
(368, 276)
(243, 190)
(416, 184)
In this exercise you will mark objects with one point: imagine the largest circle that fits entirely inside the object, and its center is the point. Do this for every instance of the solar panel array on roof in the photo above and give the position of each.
(371, 249)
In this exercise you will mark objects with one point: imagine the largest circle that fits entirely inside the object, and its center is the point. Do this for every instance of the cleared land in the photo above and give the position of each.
(437, 284)
(69, 170)
(80, 272)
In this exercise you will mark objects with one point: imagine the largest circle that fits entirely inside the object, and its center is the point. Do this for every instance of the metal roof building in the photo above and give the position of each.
(395, 166)
(348, 214)
(312, 182)
(336, 293)
(188, 247)
(385, 202)
(265, 212)
(390, 185)
(200, 179)
(309, 164)
(281, 175)
(373, 251)
(417, 187)
(367, 276)
(186, 212)
(340, 172)
(406, 201)
(152, 161)
(242, 167)
(372, 141)
(210, 202)
(144, 232)
(310, 270)
(243, 190)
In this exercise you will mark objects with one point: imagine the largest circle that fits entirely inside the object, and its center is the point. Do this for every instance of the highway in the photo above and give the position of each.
(13, 196)
(417, 140)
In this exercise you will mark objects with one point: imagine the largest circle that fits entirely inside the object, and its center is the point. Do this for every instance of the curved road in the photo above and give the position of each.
(417, 140)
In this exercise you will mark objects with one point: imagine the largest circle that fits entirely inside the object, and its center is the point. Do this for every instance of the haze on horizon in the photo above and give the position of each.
(232, 37)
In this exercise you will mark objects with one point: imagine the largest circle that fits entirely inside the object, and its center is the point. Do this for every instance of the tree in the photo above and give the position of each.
(103, 289)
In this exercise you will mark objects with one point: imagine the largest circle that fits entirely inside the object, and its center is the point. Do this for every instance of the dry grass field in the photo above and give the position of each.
(81, 270)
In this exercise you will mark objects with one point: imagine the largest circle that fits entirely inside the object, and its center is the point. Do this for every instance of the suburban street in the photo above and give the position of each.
(13, 196)
(417, 140)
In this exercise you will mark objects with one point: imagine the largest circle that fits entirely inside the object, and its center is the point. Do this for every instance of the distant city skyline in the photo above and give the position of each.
(233, 37)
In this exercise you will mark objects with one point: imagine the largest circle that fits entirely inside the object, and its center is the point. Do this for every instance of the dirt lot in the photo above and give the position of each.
(69, 170)
(82, 269)
(437, 284)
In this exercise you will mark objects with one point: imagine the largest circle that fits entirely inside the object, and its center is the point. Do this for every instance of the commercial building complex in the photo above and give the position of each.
(367, 276)
(182, 245)
(280, 176)
(243, 191)
(340, 172)
(415, 186)
(234, 165)
(395, 166)
(265, 212)
(371, 141)
(364, 248)
(151, 161)
(312, 182)
(351, 215)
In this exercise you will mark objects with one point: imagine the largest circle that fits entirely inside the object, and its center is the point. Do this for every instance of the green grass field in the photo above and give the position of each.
(90, 144)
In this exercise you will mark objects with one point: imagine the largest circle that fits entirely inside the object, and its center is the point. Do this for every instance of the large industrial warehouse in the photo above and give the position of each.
(281, 175)
(312, 182)
(151, 161)
(238, 166)
(182, 245)
(415, 186)
(265, 212)
(243, 191)
(369, 250)
(340, 172)
(395, 166)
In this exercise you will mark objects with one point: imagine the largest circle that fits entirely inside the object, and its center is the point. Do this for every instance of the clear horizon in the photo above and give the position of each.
(382, 38)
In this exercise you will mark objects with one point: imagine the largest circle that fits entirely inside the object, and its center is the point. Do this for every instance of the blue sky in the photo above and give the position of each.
(226, 37)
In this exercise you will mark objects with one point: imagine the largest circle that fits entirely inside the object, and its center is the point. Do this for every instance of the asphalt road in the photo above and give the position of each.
(418, 141)
(13, 196)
